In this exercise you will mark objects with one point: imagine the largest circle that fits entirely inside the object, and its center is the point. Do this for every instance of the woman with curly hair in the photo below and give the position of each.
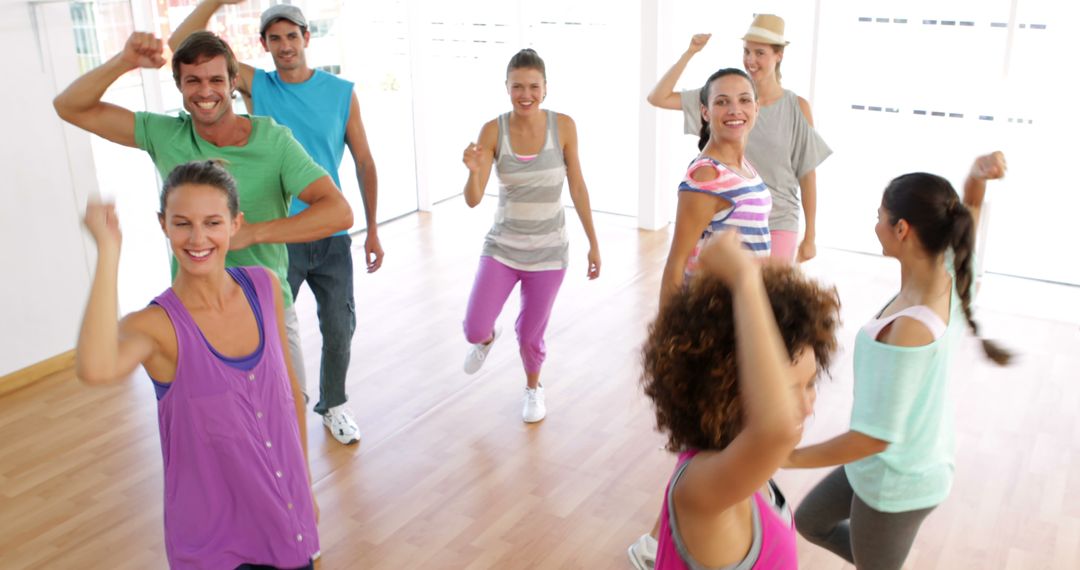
(896, 460)
(730, 364)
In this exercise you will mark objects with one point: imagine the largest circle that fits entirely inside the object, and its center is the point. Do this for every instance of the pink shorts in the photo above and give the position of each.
(784, 245)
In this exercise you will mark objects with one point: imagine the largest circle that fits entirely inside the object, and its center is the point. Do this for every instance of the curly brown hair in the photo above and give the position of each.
(689, 359)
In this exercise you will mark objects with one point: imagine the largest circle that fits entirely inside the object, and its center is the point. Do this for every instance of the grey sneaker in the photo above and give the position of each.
(479, 351)
(534, 409)
(642, 553)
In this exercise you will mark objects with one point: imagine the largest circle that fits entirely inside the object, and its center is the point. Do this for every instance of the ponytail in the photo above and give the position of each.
(703, 136)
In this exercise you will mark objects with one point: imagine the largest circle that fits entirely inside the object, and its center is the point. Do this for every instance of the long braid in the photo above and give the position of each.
(933, 209)
(963, 244)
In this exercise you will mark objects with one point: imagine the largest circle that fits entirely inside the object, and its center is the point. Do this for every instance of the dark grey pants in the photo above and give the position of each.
(833, 517)
(327, 266)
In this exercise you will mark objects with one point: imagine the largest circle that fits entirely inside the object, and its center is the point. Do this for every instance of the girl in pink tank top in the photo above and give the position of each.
(730, 364)
(230, 411)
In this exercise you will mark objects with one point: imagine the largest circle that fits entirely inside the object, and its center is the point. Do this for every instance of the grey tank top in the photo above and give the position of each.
(529, 232)
(783, 147)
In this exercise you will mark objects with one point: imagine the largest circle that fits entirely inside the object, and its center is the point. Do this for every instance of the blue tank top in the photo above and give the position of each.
(316, 111)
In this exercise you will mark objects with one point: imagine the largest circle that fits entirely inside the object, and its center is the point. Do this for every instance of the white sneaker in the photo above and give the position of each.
(478, 353)
(642, 553)
(534, 410)
(341, 425)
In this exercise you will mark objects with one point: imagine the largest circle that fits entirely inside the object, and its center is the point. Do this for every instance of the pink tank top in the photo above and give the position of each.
(772, 547)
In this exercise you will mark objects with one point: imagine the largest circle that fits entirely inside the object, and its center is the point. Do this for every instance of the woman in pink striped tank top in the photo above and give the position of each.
(730, 364)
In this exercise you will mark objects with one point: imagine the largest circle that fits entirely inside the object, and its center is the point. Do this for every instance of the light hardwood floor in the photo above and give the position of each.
(447, 476)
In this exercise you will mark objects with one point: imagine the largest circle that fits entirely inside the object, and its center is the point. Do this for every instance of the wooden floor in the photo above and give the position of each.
(447, 476)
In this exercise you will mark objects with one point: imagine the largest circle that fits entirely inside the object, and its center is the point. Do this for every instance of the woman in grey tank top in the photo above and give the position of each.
(533, 150)
(783, 147)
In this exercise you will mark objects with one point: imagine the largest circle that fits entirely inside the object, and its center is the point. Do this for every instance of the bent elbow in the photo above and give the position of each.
(62, 109)
(653, 99)
(92, 377)
(781, 436)
(345, 218)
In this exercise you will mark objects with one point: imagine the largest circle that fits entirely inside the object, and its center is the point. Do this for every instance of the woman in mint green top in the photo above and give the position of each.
(896, 461)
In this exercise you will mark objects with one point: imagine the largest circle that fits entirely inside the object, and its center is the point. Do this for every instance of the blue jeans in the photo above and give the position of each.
(327, 267)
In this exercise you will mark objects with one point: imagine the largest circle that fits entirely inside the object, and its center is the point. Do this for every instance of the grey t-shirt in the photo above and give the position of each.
(783, 147)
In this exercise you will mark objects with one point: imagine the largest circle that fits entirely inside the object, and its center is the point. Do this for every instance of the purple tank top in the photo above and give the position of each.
(236, 486)
(773, 547)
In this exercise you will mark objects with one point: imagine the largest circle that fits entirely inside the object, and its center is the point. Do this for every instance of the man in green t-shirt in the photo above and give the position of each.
(270, 167)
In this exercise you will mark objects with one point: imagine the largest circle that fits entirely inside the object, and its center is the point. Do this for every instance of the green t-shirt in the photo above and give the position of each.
(902, 397)
(270, 170)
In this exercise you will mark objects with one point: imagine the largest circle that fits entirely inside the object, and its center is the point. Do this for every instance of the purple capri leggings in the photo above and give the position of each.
(494, 282)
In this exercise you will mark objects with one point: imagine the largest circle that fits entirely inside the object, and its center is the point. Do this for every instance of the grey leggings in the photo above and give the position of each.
(833, 517)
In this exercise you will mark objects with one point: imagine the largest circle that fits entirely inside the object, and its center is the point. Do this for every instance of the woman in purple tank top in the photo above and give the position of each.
(230, 412)
(730, 364)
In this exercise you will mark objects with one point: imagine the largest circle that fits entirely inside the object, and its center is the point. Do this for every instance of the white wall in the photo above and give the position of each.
(46, 263)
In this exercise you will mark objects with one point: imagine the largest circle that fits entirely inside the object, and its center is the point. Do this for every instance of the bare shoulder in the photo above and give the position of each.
(152, 322)
(567, 130)
(704, 171)
(804, 106)
(907, 332)
(489, 133)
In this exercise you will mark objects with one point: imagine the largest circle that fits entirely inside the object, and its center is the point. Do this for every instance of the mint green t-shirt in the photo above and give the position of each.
(270, 170)
(902, 397)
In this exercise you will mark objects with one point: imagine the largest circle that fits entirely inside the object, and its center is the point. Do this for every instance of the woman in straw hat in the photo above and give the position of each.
(783, 146)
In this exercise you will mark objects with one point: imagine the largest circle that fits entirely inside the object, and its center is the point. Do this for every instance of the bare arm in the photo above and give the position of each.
(327, 214)
(840, 450)
(987, 167)
(692, 216)
(368, 179)
(107, 353)
(478, 158)
(579, 194)
(770, 408)
(808, 190)
(81, 105)
(664, 95)
(197, 21)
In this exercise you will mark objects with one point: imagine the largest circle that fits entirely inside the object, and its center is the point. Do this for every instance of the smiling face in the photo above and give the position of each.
(286, 42)
(760, 60)
(206, 90)
(732, 108)
(527, 89)
(198, 226)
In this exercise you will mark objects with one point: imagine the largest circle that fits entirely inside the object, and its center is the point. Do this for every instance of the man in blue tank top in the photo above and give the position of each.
(324, 115)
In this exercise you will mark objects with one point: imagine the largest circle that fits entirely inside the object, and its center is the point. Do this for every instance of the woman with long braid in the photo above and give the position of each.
(896, 461)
